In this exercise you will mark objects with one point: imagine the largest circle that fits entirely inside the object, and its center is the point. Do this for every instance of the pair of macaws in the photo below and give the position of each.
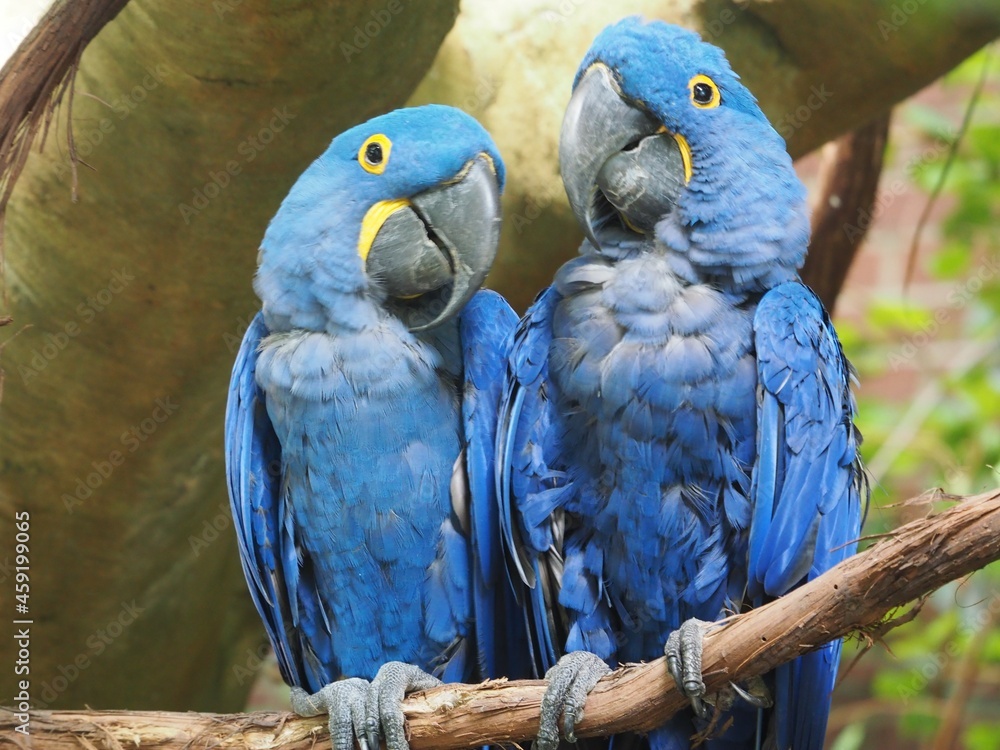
(422, 484)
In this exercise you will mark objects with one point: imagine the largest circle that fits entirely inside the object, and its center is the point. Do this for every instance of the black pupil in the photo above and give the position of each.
(373, 154)
(702, 93)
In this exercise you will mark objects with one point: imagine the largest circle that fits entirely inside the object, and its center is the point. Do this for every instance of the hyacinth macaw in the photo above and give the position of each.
(676, 439)
(361, 422)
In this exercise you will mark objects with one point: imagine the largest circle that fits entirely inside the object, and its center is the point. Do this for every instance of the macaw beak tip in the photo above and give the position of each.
(619, 166)
(464, 217)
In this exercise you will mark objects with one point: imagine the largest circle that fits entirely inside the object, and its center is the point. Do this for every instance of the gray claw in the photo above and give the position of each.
(344, 703)
(384, 703)
(683, 651)
(569, 683)
(757, 696)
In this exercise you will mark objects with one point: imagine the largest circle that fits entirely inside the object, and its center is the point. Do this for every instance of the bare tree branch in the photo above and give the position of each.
(855, 595)
(34, 79)
(843, 208)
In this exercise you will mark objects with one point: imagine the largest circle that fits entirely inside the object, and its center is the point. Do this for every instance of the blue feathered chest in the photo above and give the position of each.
(369, 425)
(655, 385)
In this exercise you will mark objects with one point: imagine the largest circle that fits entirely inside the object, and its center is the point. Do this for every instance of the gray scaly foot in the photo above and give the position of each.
(683, 651)
(384, 702)
(344, 703)
(570, 681)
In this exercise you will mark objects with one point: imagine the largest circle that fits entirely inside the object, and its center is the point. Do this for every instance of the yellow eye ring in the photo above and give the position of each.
(373, 156)
(704, 93)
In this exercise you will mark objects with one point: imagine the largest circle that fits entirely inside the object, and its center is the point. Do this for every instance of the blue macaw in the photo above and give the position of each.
(676, 439)
(361, 423)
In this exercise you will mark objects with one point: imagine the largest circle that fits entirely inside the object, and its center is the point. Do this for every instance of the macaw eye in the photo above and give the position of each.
(374, 154)
(704, 93)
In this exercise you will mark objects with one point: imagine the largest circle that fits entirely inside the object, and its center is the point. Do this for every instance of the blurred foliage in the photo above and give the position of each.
(946, 350)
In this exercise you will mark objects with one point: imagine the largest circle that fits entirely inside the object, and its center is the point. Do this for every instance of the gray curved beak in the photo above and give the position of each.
(435, 254)
(622, 171)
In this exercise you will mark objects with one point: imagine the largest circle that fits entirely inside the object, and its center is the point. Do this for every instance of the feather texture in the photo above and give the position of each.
(360, 454)
(677, 425)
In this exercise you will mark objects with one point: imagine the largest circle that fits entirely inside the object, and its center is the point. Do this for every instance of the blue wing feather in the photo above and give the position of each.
(485, 324)
(521, 473)
(564, 601)
(279, 574)
(253, 461)
(807, 485)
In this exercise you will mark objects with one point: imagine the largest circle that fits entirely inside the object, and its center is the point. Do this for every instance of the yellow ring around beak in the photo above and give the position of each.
(376, 216)
(685, 149)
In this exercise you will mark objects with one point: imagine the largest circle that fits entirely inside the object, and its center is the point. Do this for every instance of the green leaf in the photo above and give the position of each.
(982, 736)
(900, 315)
(951, 261)
(851, 738)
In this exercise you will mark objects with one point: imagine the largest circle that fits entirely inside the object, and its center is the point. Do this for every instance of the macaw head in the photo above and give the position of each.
(400, 214)
(662, 141)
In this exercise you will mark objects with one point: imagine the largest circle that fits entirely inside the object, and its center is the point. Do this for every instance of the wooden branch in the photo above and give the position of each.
(857, 594)
(35, 77)
(842, 211)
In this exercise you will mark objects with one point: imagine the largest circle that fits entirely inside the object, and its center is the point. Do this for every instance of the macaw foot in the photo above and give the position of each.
(344, 703)
(570, 682)
(384, 703)
(683, 651)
